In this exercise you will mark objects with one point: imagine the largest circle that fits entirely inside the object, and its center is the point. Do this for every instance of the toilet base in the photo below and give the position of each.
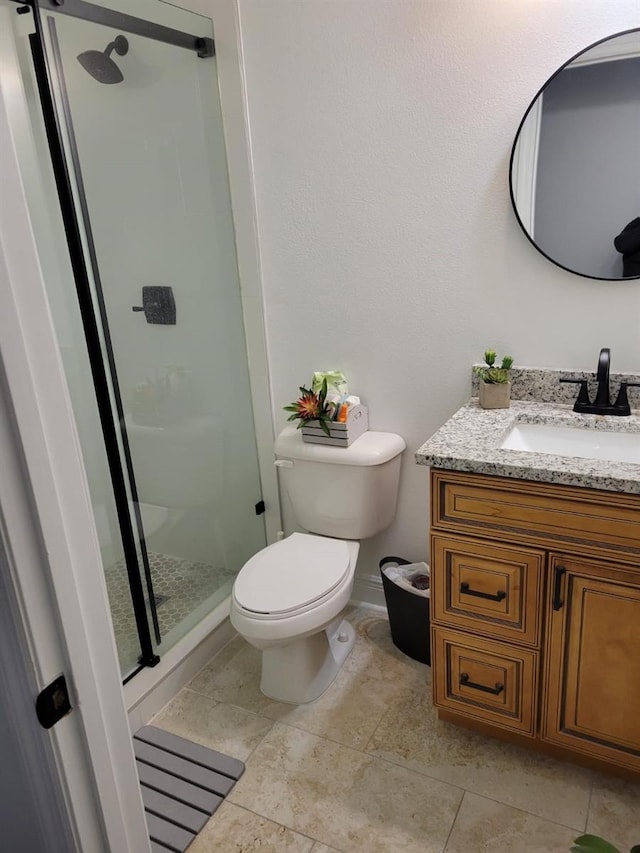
(301, 671)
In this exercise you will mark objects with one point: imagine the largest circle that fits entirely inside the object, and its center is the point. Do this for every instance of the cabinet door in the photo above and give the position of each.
(592, 671)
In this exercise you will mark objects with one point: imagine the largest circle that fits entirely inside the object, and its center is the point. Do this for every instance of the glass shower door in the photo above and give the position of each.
(138, 115)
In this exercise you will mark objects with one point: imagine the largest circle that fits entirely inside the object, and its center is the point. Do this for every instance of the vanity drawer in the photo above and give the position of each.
(485, 587)
(536, 513)
(491, 682)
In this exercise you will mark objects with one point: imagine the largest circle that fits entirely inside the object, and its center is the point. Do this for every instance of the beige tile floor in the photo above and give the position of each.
(368, 767)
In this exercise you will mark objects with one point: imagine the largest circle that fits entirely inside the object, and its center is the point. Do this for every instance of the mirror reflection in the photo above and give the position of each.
(575, 166)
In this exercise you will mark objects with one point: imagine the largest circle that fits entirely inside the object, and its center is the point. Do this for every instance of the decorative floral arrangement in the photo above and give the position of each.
(489, 373)
(312, 406)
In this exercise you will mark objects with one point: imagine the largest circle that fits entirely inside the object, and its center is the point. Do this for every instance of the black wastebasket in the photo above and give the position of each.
(408, 616)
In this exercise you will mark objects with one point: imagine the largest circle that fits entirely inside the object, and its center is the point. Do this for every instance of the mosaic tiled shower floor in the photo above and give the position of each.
(179, 587)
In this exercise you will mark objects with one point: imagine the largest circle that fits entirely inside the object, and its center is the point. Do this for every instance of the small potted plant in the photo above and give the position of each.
(494, 385)
(312, 407)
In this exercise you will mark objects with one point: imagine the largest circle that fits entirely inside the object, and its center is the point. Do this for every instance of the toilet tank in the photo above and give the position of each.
(345, 492)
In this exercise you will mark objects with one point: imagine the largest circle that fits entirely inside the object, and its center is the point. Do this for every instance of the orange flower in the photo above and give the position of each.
(308, 406)
(311, 407)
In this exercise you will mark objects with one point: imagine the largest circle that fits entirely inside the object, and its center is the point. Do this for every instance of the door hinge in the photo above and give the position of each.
(53, 703)
(260, 508)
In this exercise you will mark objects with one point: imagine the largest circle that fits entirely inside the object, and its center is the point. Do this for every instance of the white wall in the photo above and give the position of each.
(381, 133)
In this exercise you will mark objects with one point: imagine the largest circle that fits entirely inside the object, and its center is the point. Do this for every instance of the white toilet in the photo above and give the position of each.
(288, 599)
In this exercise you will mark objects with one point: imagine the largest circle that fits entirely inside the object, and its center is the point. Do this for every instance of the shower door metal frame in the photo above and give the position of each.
(47, 70)
(203, 46)
(92, 336)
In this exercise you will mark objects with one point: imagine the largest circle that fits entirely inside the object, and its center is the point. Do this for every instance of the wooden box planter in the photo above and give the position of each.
(340, 434)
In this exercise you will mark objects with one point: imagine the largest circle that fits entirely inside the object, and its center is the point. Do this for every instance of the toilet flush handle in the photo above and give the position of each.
(283, 463)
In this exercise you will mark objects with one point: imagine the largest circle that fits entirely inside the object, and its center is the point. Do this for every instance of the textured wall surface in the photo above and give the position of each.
(381, 133)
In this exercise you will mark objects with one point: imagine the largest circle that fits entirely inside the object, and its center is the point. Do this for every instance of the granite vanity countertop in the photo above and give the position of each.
(470, 441)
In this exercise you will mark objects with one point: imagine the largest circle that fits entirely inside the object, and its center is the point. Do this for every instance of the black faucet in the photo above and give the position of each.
(602, 403)
(603, 400)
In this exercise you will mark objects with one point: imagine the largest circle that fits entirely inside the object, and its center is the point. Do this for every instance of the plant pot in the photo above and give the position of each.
(494, 395)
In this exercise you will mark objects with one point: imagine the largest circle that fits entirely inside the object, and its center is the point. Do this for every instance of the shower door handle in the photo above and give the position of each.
(158, 304)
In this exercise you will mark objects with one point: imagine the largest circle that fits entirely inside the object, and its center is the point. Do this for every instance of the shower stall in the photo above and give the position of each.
(124, 167)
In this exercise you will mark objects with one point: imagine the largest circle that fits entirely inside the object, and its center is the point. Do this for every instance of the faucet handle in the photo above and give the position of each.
(622, 400)
(583, 393)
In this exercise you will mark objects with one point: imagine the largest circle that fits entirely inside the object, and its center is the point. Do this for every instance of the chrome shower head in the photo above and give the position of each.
(99, 63)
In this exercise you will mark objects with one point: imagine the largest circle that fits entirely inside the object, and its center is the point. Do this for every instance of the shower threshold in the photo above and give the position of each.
(179, 587)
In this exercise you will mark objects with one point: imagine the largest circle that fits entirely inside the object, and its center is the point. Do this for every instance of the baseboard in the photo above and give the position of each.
(368, 592)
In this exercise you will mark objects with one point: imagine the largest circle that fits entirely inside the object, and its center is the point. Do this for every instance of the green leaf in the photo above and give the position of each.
(496, 376)
(592, 844)
(489, 372)
(325, 428)
(323, 393)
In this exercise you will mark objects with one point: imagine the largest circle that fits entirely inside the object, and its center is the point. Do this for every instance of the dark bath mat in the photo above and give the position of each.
(182, 785)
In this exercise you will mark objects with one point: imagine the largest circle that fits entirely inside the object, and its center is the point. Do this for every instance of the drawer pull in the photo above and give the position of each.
(464, 679)
(466, 589)
(557, 601)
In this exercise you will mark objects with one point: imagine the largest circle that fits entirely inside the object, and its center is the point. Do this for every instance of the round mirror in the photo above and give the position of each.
(575, 164)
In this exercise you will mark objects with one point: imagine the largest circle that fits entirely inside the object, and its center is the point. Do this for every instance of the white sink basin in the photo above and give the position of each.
(573, 441)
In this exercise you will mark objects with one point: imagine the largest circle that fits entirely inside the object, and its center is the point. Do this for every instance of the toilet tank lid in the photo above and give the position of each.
(372, 448)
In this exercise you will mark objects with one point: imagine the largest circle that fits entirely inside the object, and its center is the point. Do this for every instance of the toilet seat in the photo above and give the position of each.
(291, 576)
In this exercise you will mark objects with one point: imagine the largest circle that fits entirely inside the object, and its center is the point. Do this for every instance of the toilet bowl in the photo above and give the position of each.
(288, 599)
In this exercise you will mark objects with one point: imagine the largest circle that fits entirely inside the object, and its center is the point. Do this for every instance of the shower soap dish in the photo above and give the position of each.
(340, 434)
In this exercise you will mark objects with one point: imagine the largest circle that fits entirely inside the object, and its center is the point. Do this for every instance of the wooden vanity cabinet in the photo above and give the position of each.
(535, 613)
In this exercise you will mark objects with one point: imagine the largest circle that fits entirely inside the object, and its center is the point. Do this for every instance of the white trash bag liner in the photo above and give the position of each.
(413, 577)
